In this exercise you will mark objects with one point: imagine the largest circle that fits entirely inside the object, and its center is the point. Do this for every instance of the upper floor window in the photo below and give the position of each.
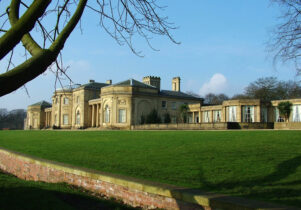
(66, 100)
(77, 99)
(56, 100)
(164, 104)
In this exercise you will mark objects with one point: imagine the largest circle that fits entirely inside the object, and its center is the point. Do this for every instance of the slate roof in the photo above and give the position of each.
(43, 104)
(177, 94)
(134, 83)
(93, 85)
(68, 88)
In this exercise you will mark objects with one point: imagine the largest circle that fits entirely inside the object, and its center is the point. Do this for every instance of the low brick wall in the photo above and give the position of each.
(181, 126)
(287, 125)
(131, 191)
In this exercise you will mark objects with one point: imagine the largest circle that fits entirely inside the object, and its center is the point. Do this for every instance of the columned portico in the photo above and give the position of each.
(95, 106)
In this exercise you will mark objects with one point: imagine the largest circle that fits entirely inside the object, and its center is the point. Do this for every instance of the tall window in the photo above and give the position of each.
(173, 119)
(278, 118)
(164, 105)
(217, 115)
(174, 105)
(77, 118)
(55, 119)
(248, 114)
(232, 113)
(122, 116)
(264, 114)
(206, 117)
(107, 114)
(65, 119)
(297, 113)
(66, 100)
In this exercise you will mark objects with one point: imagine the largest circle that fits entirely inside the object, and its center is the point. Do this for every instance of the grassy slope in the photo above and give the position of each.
(20, 194)
(260, 164)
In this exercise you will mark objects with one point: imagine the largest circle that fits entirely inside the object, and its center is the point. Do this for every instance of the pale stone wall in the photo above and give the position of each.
(35, 118)
(59, 109)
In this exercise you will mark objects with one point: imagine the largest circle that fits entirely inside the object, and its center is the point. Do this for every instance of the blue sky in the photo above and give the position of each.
(222, 50)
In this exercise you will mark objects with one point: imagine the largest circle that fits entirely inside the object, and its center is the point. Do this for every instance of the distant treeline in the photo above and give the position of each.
(12, 119)
(265, 89)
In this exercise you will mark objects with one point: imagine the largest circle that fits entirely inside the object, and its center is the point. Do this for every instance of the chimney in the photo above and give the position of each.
(154, 81)
(91, 80)
(176, 86)
(109, 81)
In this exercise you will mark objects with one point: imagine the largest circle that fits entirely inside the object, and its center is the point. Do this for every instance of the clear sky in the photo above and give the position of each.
(222, 50)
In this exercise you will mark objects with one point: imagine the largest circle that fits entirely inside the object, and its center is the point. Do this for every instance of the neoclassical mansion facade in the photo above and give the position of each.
(122, 105)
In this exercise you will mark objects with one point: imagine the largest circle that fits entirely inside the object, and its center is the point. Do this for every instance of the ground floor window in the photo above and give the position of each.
(217, 115)
(278, 117)
(196, 118)
(248, 114)
(297, 113)
(173, 119)
(206, 117)
(65, 119)
(122, 116)
(55, 119)
(77, 118)
(232, 114)
(264, 114)
(107, 114)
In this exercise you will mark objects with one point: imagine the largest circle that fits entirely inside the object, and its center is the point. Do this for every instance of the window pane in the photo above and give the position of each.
(122, 116)
(65, 119)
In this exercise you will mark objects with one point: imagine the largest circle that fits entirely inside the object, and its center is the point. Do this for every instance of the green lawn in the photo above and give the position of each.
(19, 194)
(265, 165)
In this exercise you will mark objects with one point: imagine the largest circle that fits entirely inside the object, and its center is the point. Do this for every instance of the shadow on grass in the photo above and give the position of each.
(37, 198)
(268, 188)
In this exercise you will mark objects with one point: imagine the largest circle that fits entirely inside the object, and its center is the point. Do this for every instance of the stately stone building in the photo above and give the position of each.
(125, 104)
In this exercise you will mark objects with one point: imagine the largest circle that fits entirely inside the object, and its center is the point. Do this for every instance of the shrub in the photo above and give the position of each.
(183, 112)
(153, 117)
(285, 109)
(167, 118)
(142, 119)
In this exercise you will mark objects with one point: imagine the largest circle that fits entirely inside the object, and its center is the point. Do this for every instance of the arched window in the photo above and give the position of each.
(107, 114)
(77, 118)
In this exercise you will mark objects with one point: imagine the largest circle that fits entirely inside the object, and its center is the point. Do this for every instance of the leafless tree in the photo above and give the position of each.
(286, 38)
(56, 20)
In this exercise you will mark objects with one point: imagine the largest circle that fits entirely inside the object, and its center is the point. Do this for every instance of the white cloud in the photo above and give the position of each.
(217, 84)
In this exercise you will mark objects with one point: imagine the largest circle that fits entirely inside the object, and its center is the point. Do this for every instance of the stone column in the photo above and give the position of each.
(224, 114)
(257, 114)
(200, 119)
(193, 121)
(92, 125)
(97, 115)
(59, 114)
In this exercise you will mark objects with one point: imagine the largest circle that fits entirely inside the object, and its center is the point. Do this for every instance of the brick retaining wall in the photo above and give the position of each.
(131, 191)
